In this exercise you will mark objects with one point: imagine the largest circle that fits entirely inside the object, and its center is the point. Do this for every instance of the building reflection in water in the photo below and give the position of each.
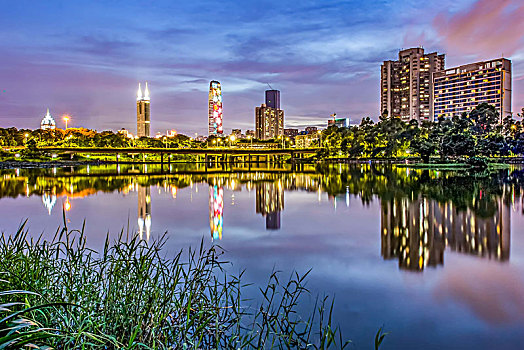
(216, 211)
(49, 201)
(416, 232)
(270, 202)
(144, 211)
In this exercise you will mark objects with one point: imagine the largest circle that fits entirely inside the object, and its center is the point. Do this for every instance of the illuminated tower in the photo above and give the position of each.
(143, 114)
(144, 211)
(215, 108)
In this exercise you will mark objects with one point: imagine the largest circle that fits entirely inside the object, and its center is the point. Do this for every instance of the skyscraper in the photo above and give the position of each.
(215, 108)
(269, 118)
(406, 85)
(273, 99)
(143, 113)
(460, 89)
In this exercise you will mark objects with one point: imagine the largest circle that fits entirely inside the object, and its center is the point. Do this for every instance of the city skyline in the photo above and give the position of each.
(92, 70)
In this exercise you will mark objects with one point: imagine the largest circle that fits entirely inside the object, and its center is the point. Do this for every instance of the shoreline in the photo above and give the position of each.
(34, 164)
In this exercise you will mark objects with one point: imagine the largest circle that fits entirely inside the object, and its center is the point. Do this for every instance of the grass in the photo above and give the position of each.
(129, 296)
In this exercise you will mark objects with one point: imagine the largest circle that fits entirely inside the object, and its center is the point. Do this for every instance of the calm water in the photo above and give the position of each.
(435, 257)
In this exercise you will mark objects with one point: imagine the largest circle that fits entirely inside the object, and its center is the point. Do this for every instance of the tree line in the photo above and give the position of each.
(477, 133)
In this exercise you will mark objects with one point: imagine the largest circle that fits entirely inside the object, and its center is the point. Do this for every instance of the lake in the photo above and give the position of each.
(434, 256)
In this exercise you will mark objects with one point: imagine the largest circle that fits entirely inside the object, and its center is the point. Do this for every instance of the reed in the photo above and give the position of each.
(130, 296)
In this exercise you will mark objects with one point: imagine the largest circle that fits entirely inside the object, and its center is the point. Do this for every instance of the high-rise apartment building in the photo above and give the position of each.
(458, 90)
(406, 87)
(215, 108)
(143, 112)
(269, 122)
(269, 118)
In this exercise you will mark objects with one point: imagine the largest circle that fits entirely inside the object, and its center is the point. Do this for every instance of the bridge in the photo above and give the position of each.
(231, 154)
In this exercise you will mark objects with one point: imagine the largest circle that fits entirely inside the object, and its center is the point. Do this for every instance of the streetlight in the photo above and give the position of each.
(232, 138)
(165, 143)
(320, 140)
(66, 119)
(26, 136)
(250, 138)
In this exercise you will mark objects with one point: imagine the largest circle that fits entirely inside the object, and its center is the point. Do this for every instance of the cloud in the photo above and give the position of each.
(492, 292)
(485, 28)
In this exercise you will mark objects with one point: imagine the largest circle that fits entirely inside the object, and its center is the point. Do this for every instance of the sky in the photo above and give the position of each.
(86, 58)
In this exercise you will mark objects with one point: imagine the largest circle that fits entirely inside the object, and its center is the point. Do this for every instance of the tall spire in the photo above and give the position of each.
(146, 93)
(47, 112)
(139, 93)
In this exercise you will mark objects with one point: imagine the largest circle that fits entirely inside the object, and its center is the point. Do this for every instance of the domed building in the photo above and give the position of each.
(48, 122)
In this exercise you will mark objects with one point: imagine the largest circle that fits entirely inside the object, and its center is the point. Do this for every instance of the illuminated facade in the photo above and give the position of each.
(416, 232)
(458, 90)
(143, 113)
(270, 202)
(144, 211)
(215, 109)
(216, 211)
(47, 123)
(269, 122)
(406, 85)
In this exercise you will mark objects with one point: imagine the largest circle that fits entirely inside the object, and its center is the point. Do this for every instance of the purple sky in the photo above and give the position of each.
(86, 58)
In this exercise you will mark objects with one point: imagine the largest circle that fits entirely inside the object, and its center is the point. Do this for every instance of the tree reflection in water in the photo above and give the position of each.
(422, 211)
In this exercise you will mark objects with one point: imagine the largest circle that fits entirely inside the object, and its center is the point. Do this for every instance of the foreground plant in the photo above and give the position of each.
(130, 296)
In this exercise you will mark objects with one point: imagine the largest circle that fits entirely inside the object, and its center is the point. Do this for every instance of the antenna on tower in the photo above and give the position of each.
(270, 87)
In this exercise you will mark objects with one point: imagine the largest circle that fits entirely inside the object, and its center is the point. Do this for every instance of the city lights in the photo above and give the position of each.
(66, 119)
(215, 108)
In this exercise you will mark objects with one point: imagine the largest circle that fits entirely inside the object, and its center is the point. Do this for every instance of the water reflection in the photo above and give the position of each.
(216, 211)
(144, 211)
(417, 231)
(422, 212)
(270, 202)
(49, 201)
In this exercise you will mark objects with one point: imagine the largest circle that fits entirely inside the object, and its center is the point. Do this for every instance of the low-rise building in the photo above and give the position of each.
(306, 141)
(291, 132)
(311, 129)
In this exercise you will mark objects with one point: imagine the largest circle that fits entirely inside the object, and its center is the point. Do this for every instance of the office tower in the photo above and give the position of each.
(143, 113)
(460, 89)
(144, 211)
(273, 99)
(270, 202)
(406, 86)
(47, 123)
(215, 109)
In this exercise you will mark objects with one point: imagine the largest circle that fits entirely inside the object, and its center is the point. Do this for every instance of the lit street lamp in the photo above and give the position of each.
(320, 138)
(66, 120)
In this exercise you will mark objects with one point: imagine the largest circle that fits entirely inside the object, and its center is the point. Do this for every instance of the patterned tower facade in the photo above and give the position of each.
(215, 109)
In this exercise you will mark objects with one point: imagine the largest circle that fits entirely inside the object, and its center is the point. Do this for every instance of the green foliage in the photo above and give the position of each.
(131, 296)
(477, 133)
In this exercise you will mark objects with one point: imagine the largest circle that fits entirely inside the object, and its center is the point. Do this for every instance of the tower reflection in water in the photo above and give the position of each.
(216, 211)
(418, 231)
(144, 211)
(270, 202)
